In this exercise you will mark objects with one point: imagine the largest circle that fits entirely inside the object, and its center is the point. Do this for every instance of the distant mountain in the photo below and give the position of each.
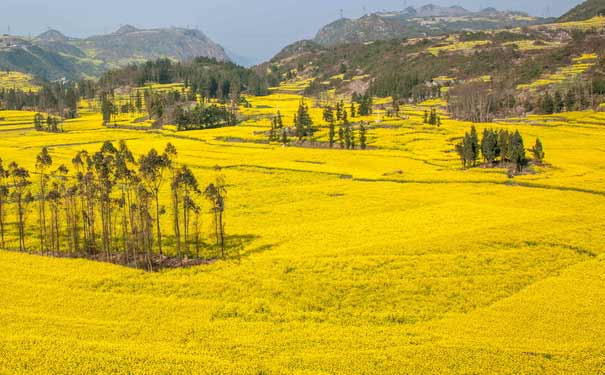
(584, 11)
(130, 44)
(46, 59)
(244, 61)
(52, 55)
(427, 20)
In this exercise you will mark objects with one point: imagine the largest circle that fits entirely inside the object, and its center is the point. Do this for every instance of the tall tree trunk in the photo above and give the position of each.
(2, 223)
(157, 221)
(177, 229)
(222, 233)
(42, 213)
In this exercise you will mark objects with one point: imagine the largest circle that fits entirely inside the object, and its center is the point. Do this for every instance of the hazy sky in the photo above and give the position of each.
(251, 28)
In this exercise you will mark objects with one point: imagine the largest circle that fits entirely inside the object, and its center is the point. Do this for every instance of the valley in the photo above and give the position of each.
(406, 204)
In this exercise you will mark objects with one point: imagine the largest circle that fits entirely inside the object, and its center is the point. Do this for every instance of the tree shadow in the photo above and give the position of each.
(239, 246)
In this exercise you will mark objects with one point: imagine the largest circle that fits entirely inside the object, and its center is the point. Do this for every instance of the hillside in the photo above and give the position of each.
(44, 61)
(522, 63)
(54, 56)
(584, 11)
(423, 21)
(358, 205)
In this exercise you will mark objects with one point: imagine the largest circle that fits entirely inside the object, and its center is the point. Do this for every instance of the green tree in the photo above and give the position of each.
(39, 122)
(558, 103)
(331, 133)
(43, 163)
(489, 144)
(20, 184)
(341, 137)
(474, 146)
(4, 193)
(216, 193)
(362, 137)
(570, 101)
(152, 168)
(538, 151)
(547, 104)
(518, 152)
(284, 137)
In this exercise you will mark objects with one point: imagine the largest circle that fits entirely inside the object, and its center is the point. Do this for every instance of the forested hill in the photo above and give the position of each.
(584, 11)
(419, 22)
(54, 56)
(496, 73)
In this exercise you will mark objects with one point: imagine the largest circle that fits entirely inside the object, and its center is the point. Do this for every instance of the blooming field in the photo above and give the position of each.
(565, 74)
(17, 80)
(386, 261)
(457, 46)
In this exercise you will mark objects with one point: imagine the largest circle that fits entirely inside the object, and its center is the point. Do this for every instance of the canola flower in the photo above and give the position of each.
(385, 261)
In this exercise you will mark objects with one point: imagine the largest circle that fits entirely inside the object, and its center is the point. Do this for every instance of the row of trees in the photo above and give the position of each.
(348, 136)
(204, 76)
(60, 99)
(366, 104)
(179, 107)
(203, 117)
(108, 206)
(564, 101)
(432, 117)
(497, 146)
(50, 124)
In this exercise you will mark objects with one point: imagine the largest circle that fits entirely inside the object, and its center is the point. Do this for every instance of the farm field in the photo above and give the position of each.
(17, 80)
(384, 261)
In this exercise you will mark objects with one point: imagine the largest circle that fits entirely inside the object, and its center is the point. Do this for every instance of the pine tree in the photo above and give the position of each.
(518, 152)
(341, 137)
(328, 114)
(39, 122)
(279, 121)
(547, 105)
(474, 146)
(362, 137)
(558, 103)
(284, 137)
(488, 146)
(347, 137)
(339, 110)
(570, 101)
(331, 133)
(538, 151)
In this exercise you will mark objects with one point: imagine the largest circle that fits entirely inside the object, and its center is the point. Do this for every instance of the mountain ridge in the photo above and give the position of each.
(52, 55)
(423, 21)
(584, 11)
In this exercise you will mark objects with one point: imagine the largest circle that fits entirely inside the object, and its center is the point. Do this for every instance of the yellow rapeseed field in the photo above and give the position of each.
(391, 260)
(17, 80)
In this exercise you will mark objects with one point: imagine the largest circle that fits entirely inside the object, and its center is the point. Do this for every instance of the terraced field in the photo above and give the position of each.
(386, 261)
(17, 80)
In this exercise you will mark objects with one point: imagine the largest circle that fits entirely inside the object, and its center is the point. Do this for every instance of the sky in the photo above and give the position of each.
(256, 29)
